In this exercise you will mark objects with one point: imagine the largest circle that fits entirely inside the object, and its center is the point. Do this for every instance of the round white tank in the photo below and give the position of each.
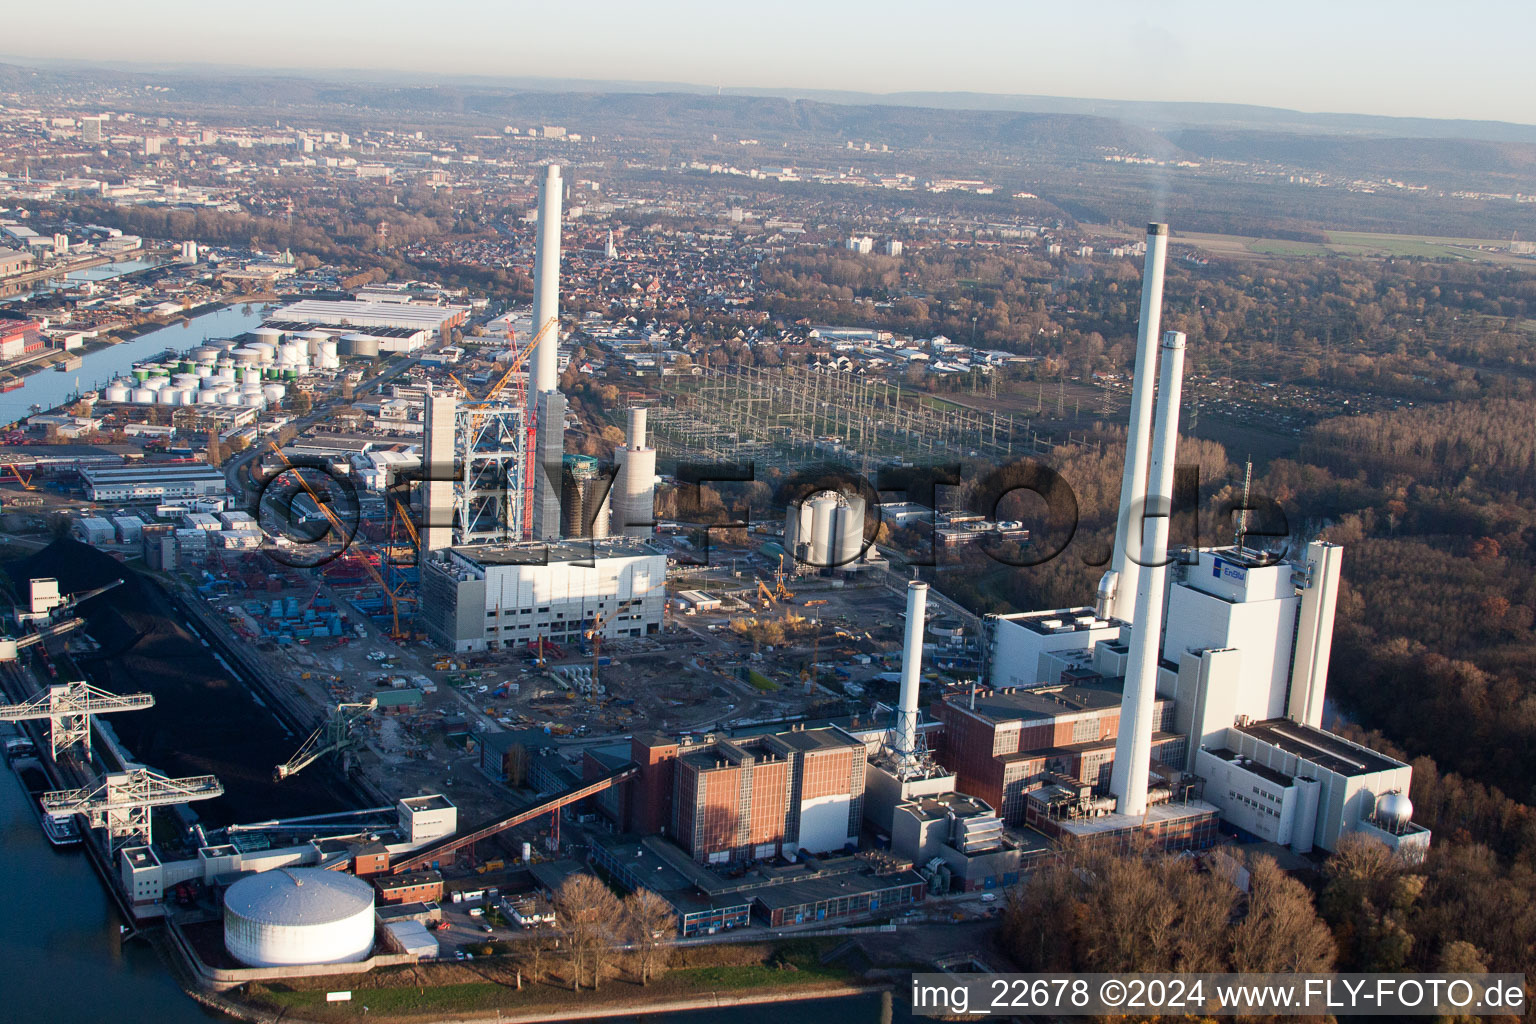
(848, 530)
(168, 396)
(184, 380)
(142, 396)
(206, 397)
(229, 398)
(293, 916)
(156, 383)
(247, 356)
(265, 353)
(204, 370)
(267, 335)
(274, 392)
(253, 401)
(823, 511)
(116, 393)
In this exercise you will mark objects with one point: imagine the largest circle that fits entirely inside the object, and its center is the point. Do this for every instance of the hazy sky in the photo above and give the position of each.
(1407, 57)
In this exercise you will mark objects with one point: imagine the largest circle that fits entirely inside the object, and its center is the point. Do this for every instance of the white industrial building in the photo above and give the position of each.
(1238, 639)
(484, 597)
(148, 482)
(408, 316)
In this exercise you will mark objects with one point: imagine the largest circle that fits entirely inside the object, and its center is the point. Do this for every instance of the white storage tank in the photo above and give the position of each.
(253, 401)
(274, 392)
(116, 392)
(267, 336)
(142, 396)
(292, 916)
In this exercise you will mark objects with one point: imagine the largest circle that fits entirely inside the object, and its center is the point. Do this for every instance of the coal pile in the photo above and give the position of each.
(205, 721)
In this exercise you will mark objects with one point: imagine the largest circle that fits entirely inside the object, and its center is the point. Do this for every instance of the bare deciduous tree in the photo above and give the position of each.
(592, 920)
(651, 925)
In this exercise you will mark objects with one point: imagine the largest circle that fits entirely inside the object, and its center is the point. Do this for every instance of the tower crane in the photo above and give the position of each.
(68, 708)
(595, 634)
(122, 802)
(333, 736)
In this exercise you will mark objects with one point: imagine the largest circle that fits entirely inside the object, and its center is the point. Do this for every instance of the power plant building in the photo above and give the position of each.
(750, 798)
(501, 596)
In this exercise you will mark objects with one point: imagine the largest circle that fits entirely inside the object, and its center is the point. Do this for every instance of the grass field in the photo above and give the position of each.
(442, 991)
(1355, 243)
(761, 681)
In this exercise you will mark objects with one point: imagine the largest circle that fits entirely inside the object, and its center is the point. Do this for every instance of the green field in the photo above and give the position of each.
(761, 681)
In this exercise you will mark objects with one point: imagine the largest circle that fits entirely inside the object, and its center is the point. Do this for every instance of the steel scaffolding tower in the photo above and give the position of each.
(493, 459)
(68, 708)
(122, 802)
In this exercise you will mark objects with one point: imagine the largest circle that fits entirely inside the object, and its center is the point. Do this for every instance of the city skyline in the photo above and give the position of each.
(1204, 52)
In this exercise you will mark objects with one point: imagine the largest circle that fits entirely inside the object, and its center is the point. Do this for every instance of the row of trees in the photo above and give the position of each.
(596, 933)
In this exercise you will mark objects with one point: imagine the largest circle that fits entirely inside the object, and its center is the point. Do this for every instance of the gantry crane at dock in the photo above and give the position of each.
(122, 802)
(68, 708)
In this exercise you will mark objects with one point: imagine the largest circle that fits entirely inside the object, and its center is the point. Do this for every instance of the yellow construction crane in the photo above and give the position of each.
(595, 634)
(779, 590)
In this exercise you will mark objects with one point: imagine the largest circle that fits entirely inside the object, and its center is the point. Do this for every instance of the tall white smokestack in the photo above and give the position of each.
(636, 437)
(1133, 747)
(1117, 591)
(546, 403)
(546, 284)
(911, 672)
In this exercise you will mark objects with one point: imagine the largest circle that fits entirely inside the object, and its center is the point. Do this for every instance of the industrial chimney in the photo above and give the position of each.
(905, 740)
(546, 284)
(546, 404)
(634, 487)
(1133, 748)
(1117, 590)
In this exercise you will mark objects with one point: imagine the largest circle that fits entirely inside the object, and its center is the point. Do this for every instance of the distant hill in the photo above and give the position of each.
(1478, 155)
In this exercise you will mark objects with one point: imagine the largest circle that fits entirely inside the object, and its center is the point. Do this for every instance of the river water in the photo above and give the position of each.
(62, 960)
(49, 388)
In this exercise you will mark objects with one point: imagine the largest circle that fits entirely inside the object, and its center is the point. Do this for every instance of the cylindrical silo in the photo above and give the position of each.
(293, 916)
(823, 509)
(116, 392)
(142, 396)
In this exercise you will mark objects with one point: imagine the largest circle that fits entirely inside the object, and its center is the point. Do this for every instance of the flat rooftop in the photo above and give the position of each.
(367, 314)
(1043, 701)
(815, 739)
(299, 326)
(430, 802)
(538, 553)
(1060, 620)
(841, 886)
(1324, 749)
(1156, 814)
(1251, 766)
(930, 808)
